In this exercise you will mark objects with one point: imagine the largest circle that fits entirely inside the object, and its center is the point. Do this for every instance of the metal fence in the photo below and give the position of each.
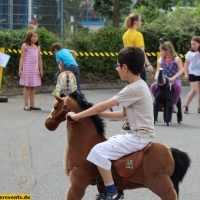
(54, 15)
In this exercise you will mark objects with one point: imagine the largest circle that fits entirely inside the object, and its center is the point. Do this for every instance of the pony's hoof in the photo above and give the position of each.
(168, 123)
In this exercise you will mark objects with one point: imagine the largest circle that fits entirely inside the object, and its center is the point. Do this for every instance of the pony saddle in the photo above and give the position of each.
(128, 164)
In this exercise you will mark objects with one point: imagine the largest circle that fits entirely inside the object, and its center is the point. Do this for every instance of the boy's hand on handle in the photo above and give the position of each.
(71, 116)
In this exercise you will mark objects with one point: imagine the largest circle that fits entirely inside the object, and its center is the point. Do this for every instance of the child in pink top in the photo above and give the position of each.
(30, 69)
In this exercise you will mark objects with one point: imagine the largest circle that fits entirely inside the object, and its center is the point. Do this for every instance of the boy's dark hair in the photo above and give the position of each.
(133, 57)
(56, 46)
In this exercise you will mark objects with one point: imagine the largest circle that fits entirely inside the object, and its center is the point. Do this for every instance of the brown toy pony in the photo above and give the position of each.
(161, 169)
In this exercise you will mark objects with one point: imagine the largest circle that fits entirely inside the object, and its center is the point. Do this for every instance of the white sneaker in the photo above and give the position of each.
(175, 108)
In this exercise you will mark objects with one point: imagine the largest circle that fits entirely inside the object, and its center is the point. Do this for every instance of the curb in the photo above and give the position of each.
(51, 88)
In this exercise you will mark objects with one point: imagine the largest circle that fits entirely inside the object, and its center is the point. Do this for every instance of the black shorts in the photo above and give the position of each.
(193, 78)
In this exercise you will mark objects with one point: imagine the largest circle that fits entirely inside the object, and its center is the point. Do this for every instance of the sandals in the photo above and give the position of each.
(185, 110)
(27, 109)
(32, 108)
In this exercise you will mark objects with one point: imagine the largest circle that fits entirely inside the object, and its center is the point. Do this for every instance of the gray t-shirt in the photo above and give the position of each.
(194, 62)
(138, 109)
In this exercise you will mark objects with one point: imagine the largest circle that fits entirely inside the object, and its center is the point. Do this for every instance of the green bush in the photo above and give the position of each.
(106, 39)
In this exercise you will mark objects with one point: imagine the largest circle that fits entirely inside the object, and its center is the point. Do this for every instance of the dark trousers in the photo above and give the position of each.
(143, 74)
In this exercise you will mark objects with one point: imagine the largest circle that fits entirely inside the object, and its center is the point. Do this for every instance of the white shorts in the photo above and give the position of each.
(114, 148)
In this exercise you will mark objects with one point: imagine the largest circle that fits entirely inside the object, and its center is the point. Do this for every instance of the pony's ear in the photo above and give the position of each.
(59, 99)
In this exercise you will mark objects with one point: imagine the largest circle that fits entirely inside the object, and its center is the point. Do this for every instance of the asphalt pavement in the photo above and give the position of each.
(31, 156)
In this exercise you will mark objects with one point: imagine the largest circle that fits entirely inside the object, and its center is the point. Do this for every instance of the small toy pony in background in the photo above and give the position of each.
(167, 89)
(164, 97)
(65, 83)
(164, 100)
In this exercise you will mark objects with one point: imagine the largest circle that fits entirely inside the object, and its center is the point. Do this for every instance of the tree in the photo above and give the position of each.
(111, 9)
(190, 2)
(164, 4)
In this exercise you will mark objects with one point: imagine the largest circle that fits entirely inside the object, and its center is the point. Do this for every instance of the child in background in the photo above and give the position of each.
(192, 72)
(172, 68)
(30, 69)
(66, 60)
(137, 117)
(132, 37)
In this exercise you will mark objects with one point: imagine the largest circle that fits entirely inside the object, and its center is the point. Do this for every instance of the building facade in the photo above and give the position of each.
(51, 14)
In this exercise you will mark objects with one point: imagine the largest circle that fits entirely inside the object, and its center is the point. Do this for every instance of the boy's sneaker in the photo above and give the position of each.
(108, 196)
(185, 110)
(175, 108)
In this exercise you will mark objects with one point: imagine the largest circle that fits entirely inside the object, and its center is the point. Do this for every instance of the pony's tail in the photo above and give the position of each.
(182, 163)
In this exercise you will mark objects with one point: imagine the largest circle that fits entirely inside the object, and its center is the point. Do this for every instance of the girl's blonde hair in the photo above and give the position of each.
(167, 46)
(129, 21)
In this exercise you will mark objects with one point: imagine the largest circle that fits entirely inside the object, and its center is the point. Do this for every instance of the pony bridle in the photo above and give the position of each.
(64, 109)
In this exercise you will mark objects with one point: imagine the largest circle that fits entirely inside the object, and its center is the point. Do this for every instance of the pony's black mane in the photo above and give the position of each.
(83, 103)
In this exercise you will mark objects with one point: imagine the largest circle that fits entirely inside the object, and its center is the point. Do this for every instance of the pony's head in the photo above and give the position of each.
(75, 102)
(57, 115)
(162, 80)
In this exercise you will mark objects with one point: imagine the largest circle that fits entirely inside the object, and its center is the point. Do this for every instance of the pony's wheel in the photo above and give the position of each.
(168, 123)
(3, 99)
